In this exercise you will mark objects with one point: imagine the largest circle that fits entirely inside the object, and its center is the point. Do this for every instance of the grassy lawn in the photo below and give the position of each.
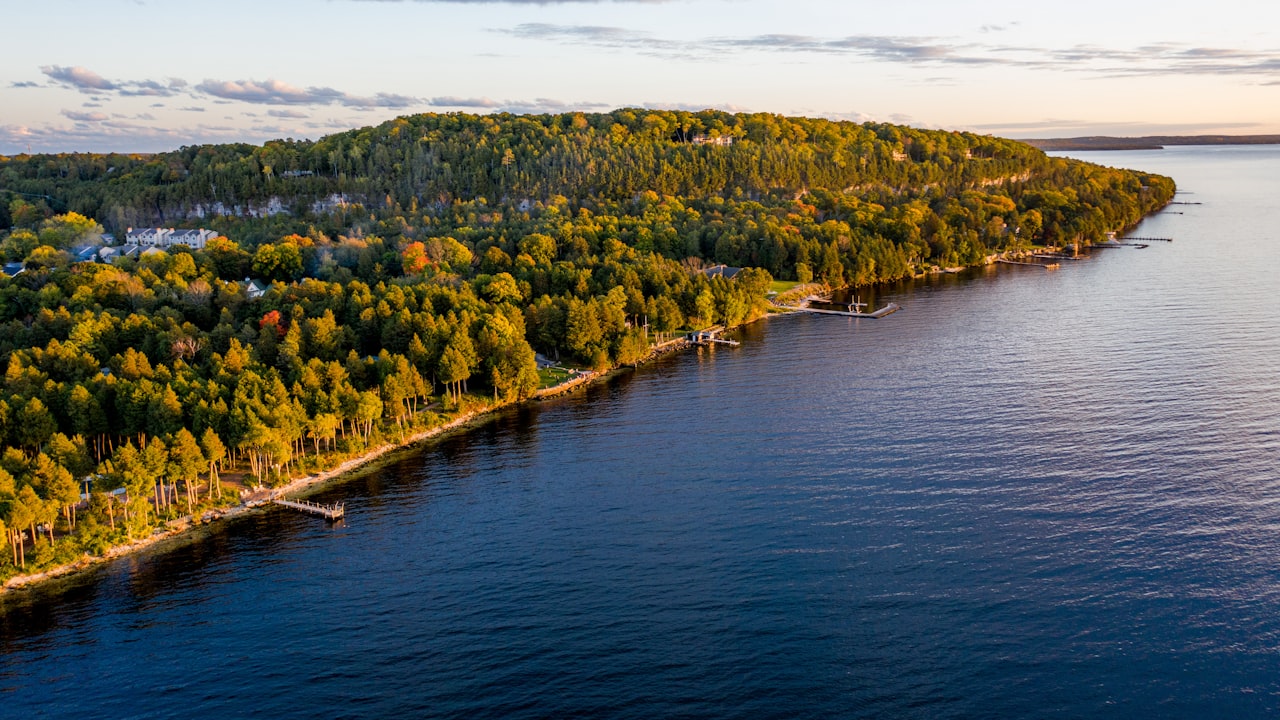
(551, 376)
(781, 286)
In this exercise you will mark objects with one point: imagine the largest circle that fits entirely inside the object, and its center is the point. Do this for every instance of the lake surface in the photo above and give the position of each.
(1027, 494)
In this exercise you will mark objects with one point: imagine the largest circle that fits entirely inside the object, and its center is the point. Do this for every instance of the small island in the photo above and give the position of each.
(189, 334)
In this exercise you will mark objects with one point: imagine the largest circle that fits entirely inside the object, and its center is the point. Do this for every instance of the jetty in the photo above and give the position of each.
(328, 512)
(1148, 239)
(1046, 266)
(886, 310)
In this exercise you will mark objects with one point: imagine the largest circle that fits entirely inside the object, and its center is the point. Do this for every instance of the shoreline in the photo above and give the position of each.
(183, 528)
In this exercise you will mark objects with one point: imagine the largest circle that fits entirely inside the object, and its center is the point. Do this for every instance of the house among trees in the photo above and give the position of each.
(86, 254)
(14, 269)
(723, 271)
(254, 289)
(168, 237)
(722, 140)
(113, 255)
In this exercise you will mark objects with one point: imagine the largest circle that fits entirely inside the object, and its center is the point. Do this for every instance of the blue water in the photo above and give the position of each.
(1027, 494)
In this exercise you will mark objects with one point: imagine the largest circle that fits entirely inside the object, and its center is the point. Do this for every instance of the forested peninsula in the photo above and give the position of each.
(376, 283)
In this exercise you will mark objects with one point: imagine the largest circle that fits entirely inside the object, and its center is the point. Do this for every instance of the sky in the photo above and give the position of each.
(152, 75)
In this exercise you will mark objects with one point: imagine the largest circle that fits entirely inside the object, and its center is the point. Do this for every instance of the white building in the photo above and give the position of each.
(168, 237)
(254, 289)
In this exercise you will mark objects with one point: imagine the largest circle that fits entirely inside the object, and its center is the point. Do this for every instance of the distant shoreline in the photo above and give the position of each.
(1147, 142)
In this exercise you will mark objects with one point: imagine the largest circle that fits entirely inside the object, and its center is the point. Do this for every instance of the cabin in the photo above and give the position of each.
(14, 269)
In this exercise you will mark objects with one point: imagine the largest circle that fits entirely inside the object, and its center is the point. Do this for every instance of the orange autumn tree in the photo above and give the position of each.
(414, 258)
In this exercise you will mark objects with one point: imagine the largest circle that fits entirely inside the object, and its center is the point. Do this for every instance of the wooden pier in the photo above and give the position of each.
(1148, 239)
(328, 512)
(886, 310)
(1046, 266)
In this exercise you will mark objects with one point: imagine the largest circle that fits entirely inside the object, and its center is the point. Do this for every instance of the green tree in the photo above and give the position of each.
(186, 460)
(213, 450)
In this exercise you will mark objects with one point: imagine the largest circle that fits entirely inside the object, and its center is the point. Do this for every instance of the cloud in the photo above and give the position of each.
(615, 38)
(269, 92)
(116, 136)
(926, 51)
(148, 88)
(80, 78)
(90, 82)
(285, 114)
(539, 106)
(85, 117)
(192, 108)
(275, 92)
(463, 102)
(25, 84)
(890, 48)
(534, 106)
(694, 107)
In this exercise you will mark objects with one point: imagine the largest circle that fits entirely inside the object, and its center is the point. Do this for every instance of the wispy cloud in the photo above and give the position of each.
(85, 116)
(694, 107)
(604, 36)
(539, 106)
(463, 102)
(275, 92)
(152, 88)
(925, 51)
(116, 136)
(80, 78)
(25, 84)
(89, 82)
(533, 106)
(286, 114)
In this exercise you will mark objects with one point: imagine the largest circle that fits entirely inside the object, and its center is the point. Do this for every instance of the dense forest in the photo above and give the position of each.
(414, 268)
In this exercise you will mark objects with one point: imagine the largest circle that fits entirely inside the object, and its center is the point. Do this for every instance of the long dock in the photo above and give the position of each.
(886, 310)
(1046, 266)
(328, 512)
(1147, 239)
